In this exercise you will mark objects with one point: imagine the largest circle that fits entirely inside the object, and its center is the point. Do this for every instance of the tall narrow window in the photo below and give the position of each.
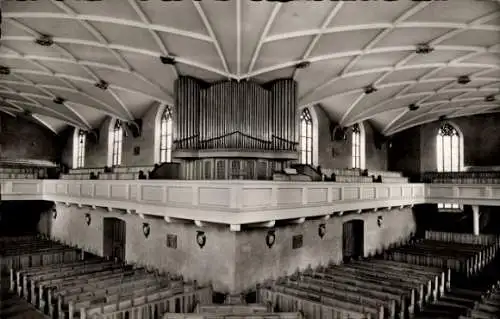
(306, 137)
(356, 146)
(448, 153)
(80, 149)
(166, 135)
(117, 143)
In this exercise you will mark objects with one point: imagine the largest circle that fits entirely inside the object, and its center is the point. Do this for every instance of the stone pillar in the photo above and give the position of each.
(475, 219)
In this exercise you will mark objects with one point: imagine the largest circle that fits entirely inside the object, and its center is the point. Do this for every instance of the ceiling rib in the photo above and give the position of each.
(73, 58)
(94, 18)
(412, 123)
(263, 35)
(117, 55)
(44, 123)
(421, 102)
(371, 26)
(156, 37)
(36, 104)
(434, 42)
(2, 109)
(366, 117)
(204, 18)
(238, 38)
(324, 25)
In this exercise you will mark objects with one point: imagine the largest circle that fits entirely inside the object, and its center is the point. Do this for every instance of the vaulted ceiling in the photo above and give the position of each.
(351, 48)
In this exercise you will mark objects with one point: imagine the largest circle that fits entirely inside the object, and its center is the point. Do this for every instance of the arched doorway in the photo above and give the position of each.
(353, 239)
(114, 238)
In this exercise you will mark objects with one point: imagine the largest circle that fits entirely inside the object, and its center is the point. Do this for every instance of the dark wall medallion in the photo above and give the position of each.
(380, 219)
(146, 229)
(201, 238)
(88, 219)
(321, 230)
(270, 238)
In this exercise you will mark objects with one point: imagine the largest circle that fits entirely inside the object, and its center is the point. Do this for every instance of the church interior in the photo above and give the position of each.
(227, 159)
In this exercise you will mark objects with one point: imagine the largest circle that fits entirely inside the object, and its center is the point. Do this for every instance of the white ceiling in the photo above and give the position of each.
(350, 45)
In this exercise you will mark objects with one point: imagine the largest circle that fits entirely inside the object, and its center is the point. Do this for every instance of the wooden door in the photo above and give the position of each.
(352, 239)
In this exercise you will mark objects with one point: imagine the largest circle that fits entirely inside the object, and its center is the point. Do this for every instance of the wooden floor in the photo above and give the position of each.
(13, 307)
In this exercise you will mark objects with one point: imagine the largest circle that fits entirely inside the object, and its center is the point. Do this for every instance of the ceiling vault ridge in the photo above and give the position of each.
(76, 78)
(403, 17)
(411, 123)
(37, 118)
(430, 94)
(106, 45)
(144, 18)
(211, 32)
(335, 10)
(107, 19)
(89, 71)
(238, 38)
(263, 35)
(36, 104)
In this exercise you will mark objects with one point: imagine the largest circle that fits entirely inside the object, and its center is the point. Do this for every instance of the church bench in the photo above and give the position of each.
(35, 282)
(351, 179)
(406, 289)
(395, 277)
(233, 308)
(467, 262)
(417, 276)
(270, 315)
(463, 238)
(311, 309)
(86, 170)
(386, 179)
(352, 297)
(379, 173)
(151, 305)
(338, 304)
(396, 298)
(47, 256)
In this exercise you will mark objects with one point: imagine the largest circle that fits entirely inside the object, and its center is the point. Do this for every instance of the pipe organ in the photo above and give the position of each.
(234, 129)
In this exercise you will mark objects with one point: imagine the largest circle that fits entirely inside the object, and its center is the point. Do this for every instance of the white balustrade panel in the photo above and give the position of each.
(472, 194)
(231, 202)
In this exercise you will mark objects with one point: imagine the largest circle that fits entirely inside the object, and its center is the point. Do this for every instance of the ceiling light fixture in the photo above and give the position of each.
(58, 100)
(490, 98)
(413, 107)
(170, 60)
(303, 65)
(443, 118)
(464, 79)
(424, 48)
(4, 70)
(103, 85)
(370, 89)
(45, 40)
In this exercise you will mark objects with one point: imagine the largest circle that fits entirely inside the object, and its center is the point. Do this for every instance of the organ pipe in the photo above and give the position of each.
(235, 115)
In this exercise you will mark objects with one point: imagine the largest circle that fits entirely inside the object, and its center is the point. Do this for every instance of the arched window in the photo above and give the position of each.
(117, 137)
(358, 146)
(448, 153)
(306, 137)
(79, 140)
(166, 128)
